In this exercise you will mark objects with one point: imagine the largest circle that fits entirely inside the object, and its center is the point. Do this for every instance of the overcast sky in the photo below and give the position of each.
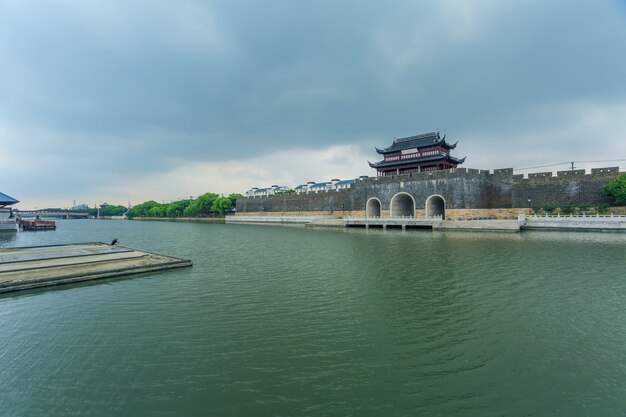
(123, 101)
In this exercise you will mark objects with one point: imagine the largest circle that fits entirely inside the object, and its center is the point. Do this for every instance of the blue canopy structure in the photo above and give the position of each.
(5, 200)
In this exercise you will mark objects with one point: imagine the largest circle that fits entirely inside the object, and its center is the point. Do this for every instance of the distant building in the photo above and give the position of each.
(425, 152)
(80, 207)
(264, 192)
(322, 187)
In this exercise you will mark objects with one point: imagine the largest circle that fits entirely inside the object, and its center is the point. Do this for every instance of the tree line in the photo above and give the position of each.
(108, 210)
(206, 205)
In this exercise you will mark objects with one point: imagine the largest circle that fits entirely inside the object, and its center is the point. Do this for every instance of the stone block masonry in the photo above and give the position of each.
(323, 203)
(565, 189)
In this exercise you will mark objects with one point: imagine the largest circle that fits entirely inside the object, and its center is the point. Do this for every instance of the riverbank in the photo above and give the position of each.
(594, 223)
(182, 219)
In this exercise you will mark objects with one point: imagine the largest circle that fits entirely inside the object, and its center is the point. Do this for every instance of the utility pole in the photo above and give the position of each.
(572, 165)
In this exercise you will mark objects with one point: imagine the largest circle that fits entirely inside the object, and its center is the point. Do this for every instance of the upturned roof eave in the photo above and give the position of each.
(383, 164)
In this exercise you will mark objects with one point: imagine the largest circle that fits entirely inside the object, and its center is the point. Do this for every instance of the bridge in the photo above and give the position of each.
(56, 213)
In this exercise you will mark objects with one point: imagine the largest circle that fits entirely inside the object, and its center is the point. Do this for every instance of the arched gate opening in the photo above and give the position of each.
(436, 206)
(402, 205)
(373, 208)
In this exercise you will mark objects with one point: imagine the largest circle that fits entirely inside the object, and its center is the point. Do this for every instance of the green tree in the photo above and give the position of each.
(616, 190)
(221, 205)
(156, 211)
(111, 210)
(143, 209)
(201, 206)
(208, 204)
(233, 198)
(177, 208)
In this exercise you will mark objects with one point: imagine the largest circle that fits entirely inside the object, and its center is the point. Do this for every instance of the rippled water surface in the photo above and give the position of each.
(288, 321)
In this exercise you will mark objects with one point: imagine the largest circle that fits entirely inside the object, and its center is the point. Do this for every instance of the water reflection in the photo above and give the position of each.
(7, 238)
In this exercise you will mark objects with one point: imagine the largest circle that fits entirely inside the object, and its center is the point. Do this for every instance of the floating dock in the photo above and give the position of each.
(30, 225)
(42, 266)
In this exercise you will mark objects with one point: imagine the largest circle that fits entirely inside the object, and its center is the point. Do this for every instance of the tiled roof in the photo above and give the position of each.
(417, 141)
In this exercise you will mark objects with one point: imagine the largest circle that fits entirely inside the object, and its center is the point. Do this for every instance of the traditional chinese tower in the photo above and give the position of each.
(425, 152)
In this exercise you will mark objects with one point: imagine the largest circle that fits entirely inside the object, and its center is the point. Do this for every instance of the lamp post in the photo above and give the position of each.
(529, 204)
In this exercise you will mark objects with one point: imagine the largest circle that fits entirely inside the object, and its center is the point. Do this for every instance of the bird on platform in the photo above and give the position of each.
(115, 242)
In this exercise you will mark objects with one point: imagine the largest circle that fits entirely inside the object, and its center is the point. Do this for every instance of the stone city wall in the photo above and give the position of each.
(468, 193)
(565, 189)
(328, 203)
(460, 188)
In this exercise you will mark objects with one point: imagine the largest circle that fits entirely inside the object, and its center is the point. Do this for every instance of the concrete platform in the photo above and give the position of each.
(434, 223)
(41, 266)
(270, 219)
(511, 226)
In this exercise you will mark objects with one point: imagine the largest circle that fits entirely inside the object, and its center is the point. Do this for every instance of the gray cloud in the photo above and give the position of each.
(117, 89)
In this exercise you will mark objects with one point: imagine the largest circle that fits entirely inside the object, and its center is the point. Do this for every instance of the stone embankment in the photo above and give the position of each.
(384, 222)
(271, 219)
(566, 223)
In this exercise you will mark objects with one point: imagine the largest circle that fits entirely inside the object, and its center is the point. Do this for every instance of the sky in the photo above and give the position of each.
(126, 101)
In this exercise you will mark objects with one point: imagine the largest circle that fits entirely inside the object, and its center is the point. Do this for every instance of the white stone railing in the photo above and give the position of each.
(575, 216)
(573, 220)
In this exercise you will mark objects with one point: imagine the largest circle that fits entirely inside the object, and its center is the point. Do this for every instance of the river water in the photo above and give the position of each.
(291, 321)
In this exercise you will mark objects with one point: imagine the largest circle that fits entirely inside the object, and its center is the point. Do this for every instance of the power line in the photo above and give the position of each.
(569, 162)
(542, 166)
(606, 160)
